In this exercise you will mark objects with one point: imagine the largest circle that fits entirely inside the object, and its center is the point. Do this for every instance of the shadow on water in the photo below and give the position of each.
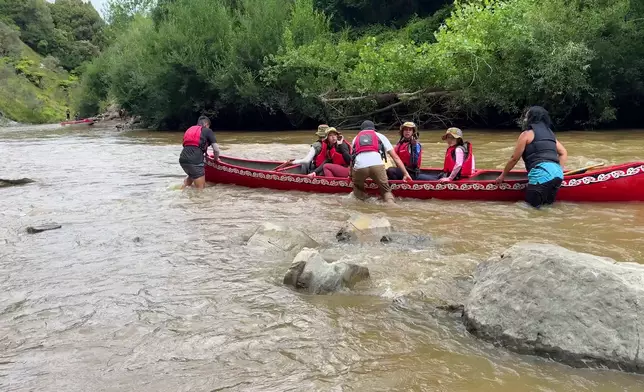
(149, 288)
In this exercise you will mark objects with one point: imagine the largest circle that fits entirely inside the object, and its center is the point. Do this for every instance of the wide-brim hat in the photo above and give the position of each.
(456, 133)
(332, 130)
(322, 130)
(410, 125)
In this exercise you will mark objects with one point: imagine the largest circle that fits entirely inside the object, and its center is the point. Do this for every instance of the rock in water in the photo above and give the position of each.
(283, 241)
(407, 240)
(20, 181)
(364, 228)
(576, 308)
(41, 228)
(312, 273)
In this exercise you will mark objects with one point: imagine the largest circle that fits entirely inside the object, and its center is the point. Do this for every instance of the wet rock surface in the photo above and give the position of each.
(281, 242)
(312, 273)
(4, 182)
(576, 308)
(364, 228)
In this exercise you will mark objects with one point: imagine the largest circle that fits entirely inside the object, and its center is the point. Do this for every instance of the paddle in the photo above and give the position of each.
(583, 169)
(281, 166)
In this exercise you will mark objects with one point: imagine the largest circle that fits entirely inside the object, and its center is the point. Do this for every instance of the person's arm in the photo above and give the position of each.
(399, 164)
(307, 159)
(212, 141)
(460, 157)
(563, 154)
(343, 149)
(516, 155)
(215, 151)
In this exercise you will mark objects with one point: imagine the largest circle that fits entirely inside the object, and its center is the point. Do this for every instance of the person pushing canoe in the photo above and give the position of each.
(544, 158)
(195, 145)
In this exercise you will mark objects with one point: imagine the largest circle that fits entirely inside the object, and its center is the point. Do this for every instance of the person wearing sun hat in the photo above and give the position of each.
(315, 149)
(410, 152)
(334, 157)
(459, 156)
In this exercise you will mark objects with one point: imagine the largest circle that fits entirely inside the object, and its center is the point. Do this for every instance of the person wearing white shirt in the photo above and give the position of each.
(369, 150)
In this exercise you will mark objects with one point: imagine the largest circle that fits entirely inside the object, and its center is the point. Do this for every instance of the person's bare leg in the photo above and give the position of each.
(200, 183)
(187, 182)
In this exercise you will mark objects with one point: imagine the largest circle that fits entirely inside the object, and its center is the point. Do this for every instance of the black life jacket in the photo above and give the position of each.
(543, 147)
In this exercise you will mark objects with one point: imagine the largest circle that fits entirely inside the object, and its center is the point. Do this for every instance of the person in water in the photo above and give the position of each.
(543, 155)
(334, 157)
(67, 113)
(307, 162)
(370, 148)
(459, 156)
(195, 146)
(410, 152)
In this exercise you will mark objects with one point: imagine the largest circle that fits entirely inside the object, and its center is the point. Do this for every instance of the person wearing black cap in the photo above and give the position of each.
(195, 146)
(370, 148)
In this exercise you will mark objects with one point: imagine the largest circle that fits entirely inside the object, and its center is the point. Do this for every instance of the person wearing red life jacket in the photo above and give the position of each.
(459, 157)
(370, 148)
(307, 163)
(334, 157)
(410, 152)
(195, 145)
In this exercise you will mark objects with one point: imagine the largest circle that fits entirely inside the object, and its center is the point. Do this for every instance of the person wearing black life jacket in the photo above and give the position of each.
(544, 157)
(370, 148)
(410, 152)
(459, 156)
(195, 145)
(307, 162)
(334, 157)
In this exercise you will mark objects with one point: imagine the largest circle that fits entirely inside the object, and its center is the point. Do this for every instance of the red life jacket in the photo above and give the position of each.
(403, 149)
(450, 161)
(330, 154)
(192, 137)
(367, 141)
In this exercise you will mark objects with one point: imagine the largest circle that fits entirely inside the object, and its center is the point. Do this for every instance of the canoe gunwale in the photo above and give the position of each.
(626, 180)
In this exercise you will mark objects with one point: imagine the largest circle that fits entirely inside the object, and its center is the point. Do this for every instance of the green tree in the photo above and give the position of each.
(79, 19)
(32, 18)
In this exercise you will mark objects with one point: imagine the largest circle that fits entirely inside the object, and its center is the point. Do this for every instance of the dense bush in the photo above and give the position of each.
(583, 59)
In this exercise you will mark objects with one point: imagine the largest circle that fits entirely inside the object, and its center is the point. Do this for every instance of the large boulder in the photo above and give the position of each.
(280, 241)
(364, 228)
(576, 308)
(310, 272)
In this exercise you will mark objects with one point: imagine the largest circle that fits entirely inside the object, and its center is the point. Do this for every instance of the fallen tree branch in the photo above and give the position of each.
(387, 96)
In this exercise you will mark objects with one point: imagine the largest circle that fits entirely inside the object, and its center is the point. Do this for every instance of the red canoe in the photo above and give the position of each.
(85, 121)
(617, 183)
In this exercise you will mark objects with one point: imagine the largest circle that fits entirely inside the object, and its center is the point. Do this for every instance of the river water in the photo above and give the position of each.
(149, 288)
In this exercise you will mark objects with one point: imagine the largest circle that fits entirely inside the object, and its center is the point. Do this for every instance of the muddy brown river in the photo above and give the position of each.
(150, 288)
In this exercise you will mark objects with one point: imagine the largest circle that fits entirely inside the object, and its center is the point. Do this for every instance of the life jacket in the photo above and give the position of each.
(404, 151)
(192, 137)
(330, 155)
(368, 141)
(450, 160)
(543, 147)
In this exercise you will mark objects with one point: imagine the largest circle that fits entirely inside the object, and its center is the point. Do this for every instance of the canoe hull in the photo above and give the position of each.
(618, 183)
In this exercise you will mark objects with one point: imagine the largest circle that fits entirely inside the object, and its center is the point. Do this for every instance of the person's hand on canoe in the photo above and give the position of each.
(312, 174)
(407, 178)
(444, 179)
(500, 179)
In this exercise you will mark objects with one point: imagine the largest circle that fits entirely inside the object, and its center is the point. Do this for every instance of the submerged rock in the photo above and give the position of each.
(282, 241)
(41, 228)
(407, 240)
(9, 182)
(364, 228)
(310, 272)
(576, 308)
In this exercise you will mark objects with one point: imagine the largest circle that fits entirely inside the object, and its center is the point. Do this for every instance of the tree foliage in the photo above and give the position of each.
(256, 59)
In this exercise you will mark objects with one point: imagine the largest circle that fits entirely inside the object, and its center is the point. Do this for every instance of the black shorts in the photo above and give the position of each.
(538, 195)
(193, 171)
